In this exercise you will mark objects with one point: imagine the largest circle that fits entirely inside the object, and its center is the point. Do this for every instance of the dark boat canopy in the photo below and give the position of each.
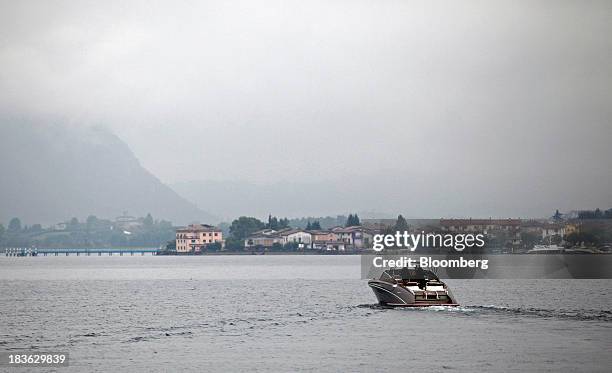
(408, 274)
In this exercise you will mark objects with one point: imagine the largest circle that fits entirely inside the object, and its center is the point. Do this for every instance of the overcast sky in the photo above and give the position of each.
(499, 92)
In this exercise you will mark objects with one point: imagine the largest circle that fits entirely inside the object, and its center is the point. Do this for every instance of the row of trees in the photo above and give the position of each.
(595, 214)
(93, 232)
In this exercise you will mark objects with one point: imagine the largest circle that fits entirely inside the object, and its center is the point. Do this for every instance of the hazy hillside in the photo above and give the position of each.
(53, 172)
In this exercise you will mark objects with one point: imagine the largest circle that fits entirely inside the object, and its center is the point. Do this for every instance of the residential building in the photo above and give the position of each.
(196, 237)
(262, 240)
(480, 225)
(321, 235)
(501, 232)
(326, 240)
(571, 228)
(545, 229)
(553, 229)
(331, 245)
(299, 236)
(355, 237)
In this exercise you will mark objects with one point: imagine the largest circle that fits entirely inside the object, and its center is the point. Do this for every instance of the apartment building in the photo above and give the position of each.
(196, 237)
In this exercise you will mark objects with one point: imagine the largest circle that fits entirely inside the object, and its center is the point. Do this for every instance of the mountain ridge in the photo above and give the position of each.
(57, 171)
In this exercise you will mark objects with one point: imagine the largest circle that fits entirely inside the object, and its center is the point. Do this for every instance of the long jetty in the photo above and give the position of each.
(126, 251)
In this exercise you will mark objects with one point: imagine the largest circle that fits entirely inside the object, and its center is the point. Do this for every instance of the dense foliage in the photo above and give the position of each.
(94, 232)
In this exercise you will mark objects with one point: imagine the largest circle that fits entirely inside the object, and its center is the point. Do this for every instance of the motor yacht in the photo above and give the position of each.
(411, 287)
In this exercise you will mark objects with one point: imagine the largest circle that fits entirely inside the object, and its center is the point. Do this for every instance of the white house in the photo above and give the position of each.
(298, 236)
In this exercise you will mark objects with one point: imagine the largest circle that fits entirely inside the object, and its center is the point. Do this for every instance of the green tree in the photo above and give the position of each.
(73, 224)
(234, 244)
(352, 221)
(148, 221)
(315, 225)
(36, 228)
(165, 224)
(14, 225)
(272, 222)
(529, 239)
(577, 238)
(244, 226)
(91, 221)
(401, 224)
(276, 224)
(291, 246)
(2, 230)
(213, 247)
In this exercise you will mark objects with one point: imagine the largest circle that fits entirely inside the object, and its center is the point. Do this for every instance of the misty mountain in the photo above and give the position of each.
(52, 172)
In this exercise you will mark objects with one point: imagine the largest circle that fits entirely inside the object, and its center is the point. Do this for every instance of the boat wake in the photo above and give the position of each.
(479, 310)
(584, 314)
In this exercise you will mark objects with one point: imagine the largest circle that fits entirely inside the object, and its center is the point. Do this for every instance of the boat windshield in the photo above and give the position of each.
(408, 274)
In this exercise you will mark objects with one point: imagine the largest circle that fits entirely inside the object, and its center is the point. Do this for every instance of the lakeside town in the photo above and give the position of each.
(586, 231)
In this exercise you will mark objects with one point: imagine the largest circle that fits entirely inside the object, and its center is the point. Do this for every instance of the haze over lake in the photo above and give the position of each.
(305, 109)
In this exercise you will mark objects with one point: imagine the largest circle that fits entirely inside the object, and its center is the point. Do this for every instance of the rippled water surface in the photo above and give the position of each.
(290, 313)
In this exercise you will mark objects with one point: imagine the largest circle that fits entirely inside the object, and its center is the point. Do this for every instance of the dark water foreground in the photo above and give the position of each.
(290, 313)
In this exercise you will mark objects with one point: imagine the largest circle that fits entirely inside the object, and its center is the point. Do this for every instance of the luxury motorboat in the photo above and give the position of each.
(411, 287)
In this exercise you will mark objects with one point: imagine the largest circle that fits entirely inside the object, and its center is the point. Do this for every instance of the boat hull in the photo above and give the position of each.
(397, 296)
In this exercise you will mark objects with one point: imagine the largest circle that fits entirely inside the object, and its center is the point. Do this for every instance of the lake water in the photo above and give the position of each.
(290, 313)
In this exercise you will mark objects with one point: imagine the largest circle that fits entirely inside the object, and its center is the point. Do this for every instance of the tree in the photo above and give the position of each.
(352, 221)
(401, 225)
(14, 225)
(1, 231)
(291, 246)
(234, 244)
(276, 224)
(148, 221)
(165, 224)
(91, 221)
(576, 238)
(530, 238)
(315, 225)
(74, 223)
(213, 247)
(272, 222)
(244, 226)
